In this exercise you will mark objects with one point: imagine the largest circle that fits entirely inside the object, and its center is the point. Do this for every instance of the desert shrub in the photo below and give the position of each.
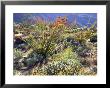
(40, 26)
(18, 57)
(82, 36)
(64, 63)
(43, 46)
(17, 54)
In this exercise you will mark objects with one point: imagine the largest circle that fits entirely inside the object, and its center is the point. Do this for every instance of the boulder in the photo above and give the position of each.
(93, 39)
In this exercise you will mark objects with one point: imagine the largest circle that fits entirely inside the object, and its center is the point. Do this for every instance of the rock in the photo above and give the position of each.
(72, 41)
(83, 51)
(18, 41)
(23, 68)
(75, 43)
(21, 60)
(94, 69)
(85, 63)
(93, 39)
(19, 44)
(69, 39)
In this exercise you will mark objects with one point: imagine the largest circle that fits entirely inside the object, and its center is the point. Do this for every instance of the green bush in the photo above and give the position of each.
(17, 54)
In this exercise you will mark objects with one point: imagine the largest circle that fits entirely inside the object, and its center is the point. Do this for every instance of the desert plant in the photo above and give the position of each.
(44, 45)
(17, 54)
